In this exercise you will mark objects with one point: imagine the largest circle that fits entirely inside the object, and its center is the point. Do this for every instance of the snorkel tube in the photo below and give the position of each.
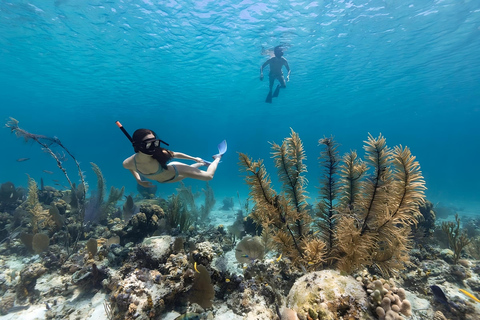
(124, 131)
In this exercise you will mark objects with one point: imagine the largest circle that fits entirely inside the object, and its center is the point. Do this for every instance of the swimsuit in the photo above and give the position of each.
(160, 170)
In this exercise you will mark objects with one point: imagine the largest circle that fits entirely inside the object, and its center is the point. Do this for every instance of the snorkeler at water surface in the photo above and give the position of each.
(276, 63)
(154, 162)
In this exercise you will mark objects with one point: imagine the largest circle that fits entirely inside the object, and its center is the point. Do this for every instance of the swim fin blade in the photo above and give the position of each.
(277, 91)
(269, 97)
(222, 147)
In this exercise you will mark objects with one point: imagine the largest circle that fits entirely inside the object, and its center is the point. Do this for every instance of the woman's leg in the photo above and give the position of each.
(191, 171)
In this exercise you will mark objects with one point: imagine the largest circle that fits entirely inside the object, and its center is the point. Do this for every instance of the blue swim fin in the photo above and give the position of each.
(222, 148)
(276, 92)
(269, 97)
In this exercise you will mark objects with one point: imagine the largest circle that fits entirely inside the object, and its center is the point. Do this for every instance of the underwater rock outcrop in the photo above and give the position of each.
(327, 295)
(10, 196)
(155, 278)
(142, 224)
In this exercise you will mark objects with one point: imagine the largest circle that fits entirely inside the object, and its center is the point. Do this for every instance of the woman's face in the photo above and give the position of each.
(149, 144)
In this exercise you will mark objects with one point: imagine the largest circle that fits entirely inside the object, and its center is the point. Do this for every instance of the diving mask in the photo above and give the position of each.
(149, 146)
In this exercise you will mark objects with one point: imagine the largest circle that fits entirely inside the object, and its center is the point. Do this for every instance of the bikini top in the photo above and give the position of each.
(160, 169)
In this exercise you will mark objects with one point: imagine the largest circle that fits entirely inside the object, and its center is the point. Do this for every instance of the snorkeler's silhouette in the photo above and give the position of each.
(276, 63)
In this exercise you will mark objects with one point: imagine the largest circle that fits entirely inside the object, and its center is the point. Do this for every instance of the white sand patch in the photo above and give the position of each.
(223, 313)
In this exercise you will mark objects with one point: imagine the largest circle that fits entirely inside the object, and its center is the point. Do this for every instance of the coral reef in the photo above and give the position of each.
(146, 222)
(388, 301)
(155, 259)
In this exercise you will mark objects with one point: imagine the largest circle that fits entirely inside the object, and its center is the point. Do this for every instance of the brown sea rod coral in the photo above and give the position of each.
(284, 214)
(365, 212)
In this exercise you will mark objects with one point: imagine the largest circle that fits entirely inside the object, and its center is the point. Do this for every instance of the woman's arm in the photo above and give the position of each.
(179, 155)
(146, 184)
(129, 165)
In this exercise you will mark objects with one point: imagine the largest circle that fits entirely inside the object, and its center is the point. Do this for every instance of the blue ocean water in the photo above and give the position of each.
(189, 70)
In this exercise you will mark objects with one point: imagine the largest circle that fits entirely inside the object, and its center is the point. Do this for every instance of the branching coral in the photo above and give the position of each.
(47, 144)
(385, 207)
(457, 239)
(326, 207)
(285, 214)
(39, 218)
(366, 211)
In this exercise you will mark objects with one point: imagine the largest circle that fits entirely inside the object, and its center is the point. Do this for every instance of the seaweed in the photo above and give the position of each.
(207, 207)
(365, 212)
(177, 214)
(188, 197)
(96, 209)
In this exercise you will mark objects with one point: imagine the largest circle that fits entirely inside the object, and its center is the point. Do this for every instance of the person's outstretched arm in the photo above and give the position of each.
(288, 69)
(179, 155)
(146, 184)
(128, 164)
(263, 66)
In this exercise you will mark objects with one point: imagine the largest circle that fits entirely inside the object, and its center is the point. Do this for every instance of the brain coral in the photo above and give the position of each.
(327, 295)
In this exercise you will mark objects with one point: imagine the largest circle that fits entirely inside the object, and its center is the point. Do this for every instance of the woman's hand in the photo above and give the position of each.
(146, 184)
(199, 160)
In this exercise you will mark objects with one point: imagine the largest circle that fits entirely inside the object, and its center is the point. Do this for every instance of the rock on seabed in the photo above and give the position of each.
(328, 295)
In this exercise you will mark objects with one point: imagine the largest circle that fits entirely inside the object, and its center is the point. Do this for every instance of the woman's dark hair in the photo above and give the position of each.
(159, 154)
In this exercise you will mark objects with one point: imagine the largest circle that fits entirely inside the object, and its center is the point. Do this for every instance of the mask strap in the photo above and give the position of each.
(161, 141)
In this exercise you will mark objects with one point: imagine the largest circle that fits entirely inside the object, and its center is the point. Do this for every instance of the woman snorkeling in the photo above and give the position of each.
(154, 162)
